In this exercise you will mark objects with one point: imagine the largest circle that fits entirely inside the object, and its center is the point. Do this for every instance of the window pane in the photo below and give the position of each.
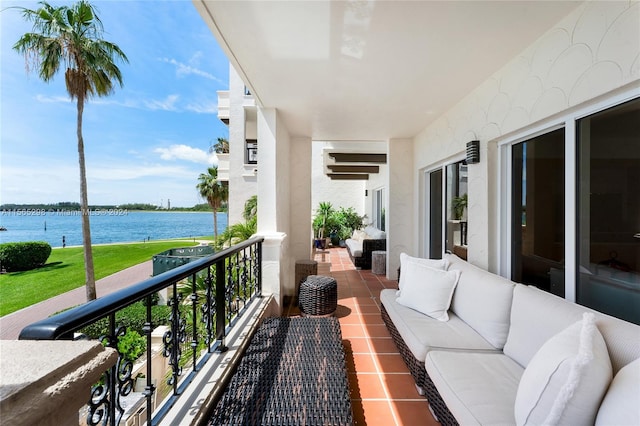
(378, 209)
(538, 212)
(609, 211)
(456, 202)
(435, 214)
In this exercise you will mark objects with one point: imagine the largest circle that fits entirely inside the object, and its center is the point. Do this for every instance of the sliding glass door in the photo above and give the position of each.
(447, 210)
(609, 211)
(537, 212)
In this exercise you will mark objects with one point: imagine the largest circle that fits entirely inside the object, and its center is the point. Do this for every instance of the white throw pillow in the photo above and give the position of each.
(374, 233)
(566, 379)
(405, 259)
(428, 290)
(359, 235)
(620, 404)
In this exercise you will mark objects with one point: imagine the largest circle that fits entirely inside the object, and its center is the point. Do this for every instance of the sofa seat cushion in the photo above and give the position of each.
(422, 333)
(478, 388)
(355, 247)
(482, 300)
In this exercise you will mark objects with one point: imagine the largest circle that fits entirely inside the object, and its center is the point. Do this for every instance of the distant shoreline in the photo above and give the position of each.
(202, 239)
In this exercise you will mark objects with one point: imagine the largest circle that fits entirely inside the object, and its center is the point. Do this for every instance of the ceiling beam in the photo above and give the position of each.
(354, 157)
(353, 169)
(348, 176)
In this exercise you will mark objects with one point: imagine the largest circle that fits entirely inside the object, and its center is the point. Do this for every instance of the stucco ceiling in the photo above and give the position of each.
(371, 70)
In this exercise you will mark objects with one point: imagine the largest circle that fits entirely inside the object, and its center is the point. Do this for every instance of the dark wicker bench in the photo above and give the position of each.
(292, 373)
(368, 247)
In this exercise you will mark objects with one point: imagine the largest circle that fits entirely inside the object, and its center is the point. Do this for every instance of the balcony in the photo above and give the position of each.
(223, 167)
(223, 106)
(382, 390)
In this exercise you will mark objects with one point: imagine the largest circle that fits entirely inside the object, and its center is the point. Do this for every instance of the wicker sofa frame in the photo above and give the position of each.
(368, 246)
(419, 374)
(415, 366)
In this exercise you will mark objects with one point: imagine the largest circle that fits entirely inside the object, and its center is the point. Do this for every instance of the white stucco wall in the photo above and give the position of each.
(300, 205)
(340, 193)
(594, 51)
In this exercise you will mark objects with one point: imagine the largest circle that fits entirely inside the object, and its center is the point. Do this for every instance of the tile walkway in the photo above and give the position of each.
(382, 390)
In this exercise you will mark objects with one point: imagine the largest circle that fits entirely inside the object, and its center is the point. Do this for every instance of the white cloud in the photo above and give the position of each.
(195, 59)
(168, 104)
(187, 153)
(129, 172)
(52, 99)
(203, 108)
(184, 69)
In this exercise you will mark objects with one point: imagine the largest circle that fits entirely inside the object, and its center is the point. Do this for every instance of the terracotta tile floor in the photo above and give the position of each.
(382, 390)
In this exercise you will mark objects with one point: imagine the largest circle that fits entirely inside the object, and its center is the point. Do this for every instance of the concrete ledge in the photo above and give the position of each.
(47, 382)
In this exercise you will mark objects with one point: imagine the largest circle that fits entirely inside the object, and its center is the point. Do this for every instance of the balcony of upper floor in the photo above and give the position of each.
(223, 167)
(223, 106)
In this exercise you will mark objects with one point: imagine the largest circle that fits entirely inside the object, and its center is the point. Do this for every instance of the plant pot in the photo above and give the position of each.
(319, 243)
(140, 385)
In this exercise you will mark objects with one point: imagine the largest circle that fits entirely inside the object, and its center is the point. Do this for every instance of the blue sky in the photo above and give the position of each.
(146, 143)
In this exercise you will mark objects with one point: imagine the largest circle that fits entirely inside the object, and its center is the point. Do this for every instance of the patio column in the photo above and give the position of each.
(401, 229)
(274, 202)
(300, 207)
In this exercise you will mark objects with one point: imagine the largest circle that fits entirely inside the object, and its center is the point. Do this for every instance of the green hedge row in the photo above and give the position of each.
(23, 256)
(133, 318)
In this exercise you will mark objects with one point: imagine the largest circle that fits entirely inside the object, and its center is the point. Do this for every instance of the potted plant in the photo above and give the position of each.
(459, 205)
(348, 221)
(323, 212)
(140, 383)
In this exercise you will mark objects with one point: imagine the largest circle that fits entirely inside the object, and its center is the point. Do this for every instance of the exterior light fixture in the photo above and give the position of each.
(473, 152)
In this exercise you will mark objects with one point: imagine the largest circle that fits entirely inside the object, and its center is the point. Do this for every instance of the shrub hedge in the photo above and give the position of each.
(132, 317)
(23, 256)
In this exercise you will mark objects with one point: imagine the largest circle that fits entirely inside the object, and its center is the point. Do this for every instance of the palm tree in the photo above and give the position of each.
(250, 208)
(70, 37)
(222, 146)
(214, 192)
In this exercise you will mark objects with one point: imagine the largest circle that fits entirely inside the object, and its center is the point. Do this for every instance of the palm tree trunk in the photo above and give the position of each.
(90, 281)
(215, 224)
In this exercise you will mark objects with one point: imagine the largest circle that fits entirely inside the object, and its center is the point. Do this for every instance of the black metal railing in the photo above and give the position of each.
(205, 297)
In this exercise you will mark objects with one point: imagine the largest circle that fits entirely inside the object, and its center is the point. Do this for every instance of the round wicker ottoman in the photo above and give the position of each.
(318, 296)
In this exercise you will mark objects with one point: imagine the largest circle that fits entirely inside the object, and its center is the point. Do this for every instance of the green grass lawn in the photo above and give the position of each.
(64, 271)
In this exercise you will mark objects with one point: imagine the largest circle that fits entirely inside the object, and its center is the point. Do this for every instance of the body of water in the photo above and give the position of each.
(107, 226)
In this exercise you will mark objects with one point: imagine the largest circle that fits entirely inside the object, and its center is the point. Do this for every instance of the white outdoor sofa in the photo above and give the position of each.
(363, 243)
(511, 353)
